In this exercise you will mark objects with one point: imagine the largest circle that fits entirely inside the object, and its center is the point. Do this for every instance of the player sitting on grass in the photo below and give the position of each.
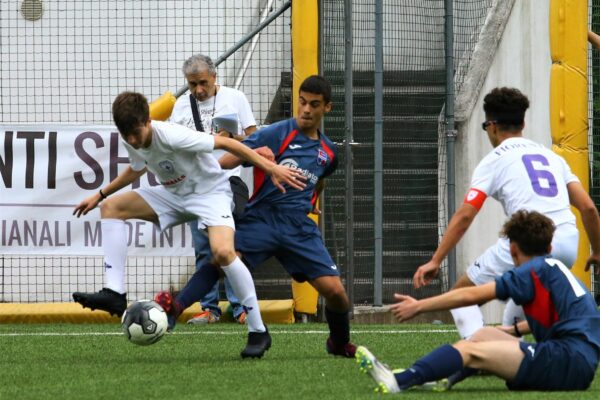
(560, 313)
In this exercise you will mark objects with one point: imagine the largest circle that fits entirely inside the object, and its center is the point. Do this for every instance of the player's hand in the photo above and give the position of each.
(595, 261)
(87, 205)
(265, 152)
(284, 175)
(509, 329)
(425, 273)
(224, 133)
(405, 308)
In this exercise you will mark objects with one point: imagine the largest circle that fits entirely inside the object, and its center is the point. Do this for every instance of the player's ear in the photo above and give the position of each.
(515, 252)
(328, 107)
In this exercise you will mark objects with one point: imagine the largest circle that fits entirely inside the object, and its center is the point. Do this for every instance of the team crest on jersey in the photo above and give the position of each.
(321, 158)
(166, 166)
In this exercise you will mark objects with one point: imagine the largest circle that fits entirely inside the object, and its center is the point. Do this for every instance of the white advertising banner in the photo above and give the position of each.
(46, 170)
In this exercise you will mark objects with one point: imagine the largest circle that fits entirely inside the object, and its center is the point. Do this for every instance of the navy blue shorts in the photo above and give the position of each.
(557, 364)
(288, 235)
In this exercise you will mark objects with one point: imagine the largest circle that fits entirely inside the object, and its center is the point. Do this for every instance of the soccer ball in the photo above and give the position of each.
(144, 322)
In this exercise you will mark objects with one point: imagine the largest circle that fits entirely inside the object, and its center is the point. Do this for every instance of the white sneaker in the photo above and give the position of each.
(381, 374)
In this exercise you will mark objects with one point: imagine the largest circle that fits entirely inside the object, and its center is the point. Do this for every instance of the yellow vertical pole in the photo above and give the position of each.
(305, 53)
(569, 100)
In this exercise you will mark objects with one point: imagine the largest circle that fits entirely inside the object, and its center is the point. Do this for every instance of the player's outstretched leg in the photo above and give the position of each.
(106, 299)
(398, 380)
(111, 298)
(199, 284)
(381, 374)
(171, 306)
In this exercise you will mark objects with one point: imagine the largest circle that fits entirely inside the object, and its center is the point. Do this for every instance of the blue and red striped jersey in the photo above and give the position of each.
(555, 302)
(316, 159)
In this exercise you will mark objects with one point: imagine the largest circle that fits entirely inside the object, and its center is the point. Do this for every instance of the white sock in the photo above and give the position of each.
(468, 320)
(114, 244)
(243, 287)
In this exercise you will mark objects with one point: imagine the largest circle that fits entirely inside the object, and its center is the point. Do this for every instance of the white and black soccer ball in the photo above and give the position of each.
(144, 322)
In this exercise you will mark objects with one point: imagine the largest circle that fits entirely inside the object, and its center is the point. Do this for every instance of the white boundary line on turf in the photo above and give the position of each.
(388, 332)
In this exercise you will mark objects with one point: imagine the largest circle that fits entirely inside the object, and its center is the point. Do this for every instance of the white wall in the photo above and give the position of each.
(521, 61)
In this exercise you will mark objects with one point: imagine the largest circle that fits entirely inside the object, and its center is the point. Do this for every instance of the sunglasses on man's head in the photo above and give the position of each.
(485, 124)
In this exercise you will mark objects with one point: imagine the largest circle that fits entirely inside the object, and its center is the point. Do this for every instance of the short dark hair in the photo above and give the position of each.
(130, 111)
(507, 107)
(316, 84)
(531, 231)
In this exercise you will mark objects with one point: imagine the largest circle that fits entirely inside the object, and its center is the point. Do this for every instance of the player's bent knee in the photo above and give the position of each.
(110, 209)
(224, 255)
(465, 348)
(337, 300)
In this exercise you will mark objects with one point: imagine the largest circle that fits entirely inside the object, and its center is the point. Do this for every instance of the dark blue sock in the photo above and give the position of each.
(198, 286)
(440, 363)
(339, 326)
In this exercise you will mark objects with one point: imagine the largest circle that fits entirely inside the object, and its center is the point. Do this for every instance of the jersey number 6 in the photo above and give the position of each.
(539, 176)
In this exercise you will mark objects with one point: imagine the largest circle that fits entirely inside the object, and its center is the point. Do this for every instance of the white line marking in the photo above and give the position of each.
(311, 332)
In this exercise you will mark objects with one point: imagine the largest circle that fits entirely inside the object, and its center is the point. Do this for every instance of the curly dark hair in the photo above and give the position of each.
(130, 111)
(507, 107)
(531, 231)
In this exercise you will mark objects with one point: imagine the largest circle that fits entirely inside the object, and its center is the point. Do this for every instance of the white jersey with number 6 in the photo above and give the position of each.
(522, 174)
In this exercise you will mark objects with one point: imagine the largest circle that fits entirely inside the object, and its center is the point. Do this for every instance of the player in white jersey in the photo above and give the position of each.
(193, 187)
(520, 174)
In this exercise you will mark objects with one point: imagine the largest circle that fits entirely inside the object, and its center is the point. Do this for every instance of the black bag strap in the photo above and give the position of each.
(196, 114)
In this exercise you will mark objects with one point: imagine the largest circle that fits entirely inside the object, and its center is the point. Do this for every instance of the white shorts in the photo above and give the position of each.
(496, 260)
(210, 209)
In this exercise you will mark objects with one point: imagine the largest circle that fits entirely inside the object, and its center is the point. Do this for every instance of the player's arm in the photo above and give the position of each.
(123, 179)
(229, 161)
(247, 132)
(460, 222)
(581, 200)
(408, 307)
(594, 39)
(279, 174)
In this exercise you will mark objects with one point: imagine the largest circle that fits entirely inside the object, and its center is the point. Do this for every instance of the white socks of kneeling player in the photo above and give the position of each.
(243, 286)
(114, 244)
(468, 320)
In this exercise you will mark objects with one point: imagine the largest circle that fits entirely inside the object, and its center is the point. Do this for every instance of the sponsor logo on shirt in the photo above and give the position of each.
(293, 164)
(295, 146)
(173, 181)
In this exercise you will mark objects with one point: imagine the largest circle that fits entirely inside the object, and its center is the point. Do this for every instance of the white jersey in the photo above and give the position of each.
(181, 159)
(226, 101)
(522, 174)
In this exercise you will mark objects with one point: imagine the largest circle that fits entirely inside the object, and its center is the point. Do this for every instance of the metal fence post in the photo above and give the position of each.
(450, 128)
(378, 157)
(349, 139)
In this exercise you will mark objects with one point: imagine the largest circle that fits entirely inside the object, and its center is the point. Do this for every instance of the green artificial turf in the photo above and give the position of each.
(203, 362)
